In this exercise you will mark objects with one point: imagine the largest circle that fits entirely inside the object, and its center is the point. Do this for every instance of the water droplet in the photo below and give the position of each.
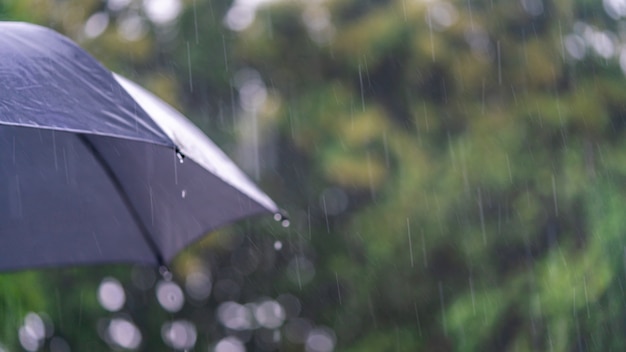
(184, 193)
(181, 157)
(285, 223)
(278, 245)
(165, 273)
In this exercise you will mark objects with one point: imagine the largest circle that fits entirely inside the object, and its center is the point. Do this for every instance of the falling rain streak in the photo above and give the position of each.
(444, 322)
(556, 203)
(430, 30)
(189, 68)
(482, 216)
(338, 288)
(499, 62)
(361, 89)
(408, 233)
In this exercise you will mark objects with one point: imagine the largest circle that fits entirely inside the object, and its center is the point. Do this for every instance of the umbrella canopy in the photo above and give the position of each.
(94, 169)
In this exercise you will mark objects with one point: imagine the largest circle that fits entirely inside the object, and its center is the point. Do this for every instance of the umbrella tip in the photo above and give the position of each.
(165, 272)
(282, 217)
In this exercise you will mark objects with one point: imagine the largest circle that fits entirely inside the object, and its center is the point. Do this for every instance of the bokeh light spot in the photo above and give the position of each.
(170, 296)
(111, 294)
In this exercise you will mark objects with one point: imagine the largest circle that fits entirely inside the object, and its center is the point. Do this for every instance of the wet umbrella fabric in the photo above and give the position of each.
(90, 163)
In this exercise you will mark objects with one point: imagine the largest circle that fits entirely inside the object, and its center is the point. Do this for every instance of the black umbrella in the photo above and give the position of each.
(94, 169)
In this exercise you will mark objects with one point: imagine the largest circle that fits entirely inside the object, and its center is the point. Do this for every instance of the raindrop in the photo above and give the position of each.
(482, 216)
(278, 245)
(165, 272)
(554, 196)
(183, 193)
(229, 344)
(195, 20)
(111, 294)
(499, 62)
(362, 90)
(278, 217)
(180, 156)
(339, 288)
(430, 30)
(170, 296)
(285, 223)
(189, 68)
(471, 16)
(471, 285)
(124, 333)
(417, 319)
(408, 233)
(179, 334)
(198, 285)
(320, 339)
(424, 257)
(443, 310)
(269, 314)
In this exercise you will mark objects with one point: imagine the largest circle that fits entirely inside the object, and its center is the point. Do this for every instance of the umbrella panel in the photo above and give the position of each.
(57, 205)
(177, 202)
(70, 199)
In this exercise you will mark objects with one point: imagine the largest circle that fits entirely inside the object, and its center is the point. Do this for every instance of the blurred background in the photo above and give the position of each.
(454, 172)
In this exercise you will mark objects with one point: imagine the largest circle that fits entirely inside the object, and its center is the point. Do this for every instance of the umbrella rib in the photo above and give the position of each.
(127, 202)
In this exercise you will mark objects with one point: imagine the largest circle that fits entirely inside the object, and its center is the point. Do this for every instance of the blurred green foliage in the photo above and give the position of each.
(454, 170)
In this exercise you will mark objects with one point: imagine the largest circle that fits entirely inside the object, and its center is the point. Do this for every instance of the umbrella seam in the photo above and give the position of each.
(94, 133)
(124, 197)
